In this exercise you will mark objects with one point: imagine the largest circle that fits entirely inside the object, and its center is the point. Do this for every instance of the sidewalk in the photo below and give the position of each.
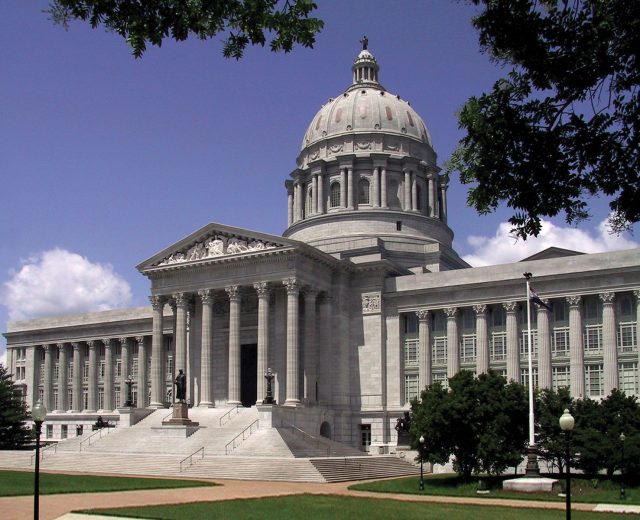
(54, 507)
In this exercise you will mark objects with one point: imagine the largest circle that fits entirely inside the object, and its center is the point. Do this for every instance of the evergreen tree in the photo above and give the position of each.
(13, 414)
(550, 439)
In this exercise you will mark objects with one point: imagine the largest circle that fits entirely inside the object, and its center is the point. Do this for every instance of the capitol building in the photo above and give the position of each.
(357, 306)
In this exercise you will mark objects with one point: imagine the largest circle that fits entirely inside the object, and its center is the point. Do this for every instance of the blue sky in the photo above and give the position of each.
(106, 159)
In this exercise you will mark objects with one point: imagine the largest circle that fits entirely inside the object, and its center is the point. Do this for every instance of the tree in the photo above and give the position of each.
(564, 123)
(480, 422)
(243, 22)
(549, 406)
(13, 414)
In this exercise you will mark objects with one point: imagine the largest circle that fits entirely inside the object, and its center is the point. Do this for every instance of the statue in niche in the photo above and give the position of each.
(181, 386)
(236, 245)
(215, 247)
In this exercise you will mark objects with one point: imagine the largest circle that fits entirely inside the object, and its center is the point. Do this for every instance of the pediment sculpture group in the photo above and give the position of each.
(216, 246)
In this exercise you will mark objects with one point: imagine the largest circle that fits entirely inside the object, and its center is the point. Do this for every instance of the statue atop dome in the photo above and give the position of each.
(365, 43)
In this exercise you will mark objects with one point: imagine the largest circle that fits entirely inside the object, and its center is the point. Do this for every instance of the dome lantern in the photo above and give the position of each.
(365, 68)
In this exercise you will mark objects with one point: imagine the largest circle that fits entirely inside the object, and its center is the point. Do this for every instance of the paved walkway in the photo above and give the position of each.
(54, 507)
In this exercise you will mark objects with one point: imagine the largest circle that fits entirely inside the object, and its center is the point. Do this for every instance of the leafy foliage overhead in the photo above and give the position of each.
(564, 124)
(243, 22)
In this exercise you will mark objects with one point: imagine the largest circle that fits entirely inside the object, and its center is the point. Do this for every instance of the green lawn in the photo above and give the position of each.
(327, 507)
(582, 490)
(14, 483)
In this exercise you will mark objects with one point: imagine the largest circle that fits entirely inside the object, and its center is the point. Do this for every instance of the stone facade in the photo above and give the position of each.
(360, 304)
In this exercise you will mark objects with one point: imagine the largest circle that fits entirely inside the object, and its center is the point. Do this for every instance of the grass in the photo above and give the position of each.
(600, 490)
(15, 483)
(330, 507)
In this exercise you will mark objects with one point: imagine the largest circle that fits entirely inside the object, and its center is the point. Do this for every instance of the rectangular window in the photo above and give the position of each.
(41, 395)
(70, 399)
(70, 372)
(468, 350)
(410, 387)
(560, 377)
(118, 368)
(41, 374)
(411, 351)
(85, 399)
(627, 341)
(593, 339)
(628, 377)
(524, 377)
(134, 368)
(439, 354)
(441, 377)
(116, 394)
(101, 370)
(56, 371)
(524, 344)
(49, 431)
(498, 346)
(560, 342)
(101, 398)
(64, 431)
(85, 372)
(169, 370)
(593, 381)
(56, 405)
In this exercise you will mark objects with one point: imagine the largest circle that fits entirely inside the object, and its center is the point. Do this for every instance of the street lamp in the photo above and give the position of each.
(129, 383)
(38, 414)
(566, 425)
(421, 462)
(622, 491)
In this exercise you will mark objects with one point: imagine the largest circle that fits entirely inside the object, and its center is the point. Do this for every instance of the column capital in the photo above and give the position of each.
(47, 347)
(60, 346)
(291, 284)
(93, 343)
(182, 300)
(107, 342)
(157, 302)
(451, 312)
(123, 340)
(541, 309)
(233, 291)
(422, 314)
(480, 309)
(574, 301)
(607, 297)
(262, 288)
(510, 307)
(636, 293)
(75, 345)
(206, 295)
(139, 339)
(309, 292)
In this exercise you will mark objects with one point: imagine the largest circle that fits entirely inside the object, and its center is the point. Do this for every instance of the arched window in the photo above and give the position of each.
(392, 195)
(309, 202)
(363, 191)
(419, 197)
(334, 200)
(325, 430)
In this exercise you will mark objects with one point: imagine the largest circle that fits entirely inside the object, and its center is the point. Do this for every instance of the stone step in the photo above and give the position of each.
(362, 468)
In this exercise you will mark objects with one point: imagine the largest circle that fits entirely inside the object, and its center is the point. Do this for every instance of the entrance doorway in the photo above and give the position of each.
(248, 374)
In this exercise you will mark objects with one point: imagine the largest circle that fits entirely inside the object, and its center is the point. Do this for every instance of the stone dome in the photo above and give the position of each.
(366, 107)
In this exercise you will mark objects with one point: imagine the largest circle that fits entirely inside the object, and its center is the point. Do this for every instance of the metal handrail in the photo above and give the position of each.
(232, 442)
(318, 440)
(42, 450)
(190, 457)
(163, 419)
(99, 433)
(235, 409)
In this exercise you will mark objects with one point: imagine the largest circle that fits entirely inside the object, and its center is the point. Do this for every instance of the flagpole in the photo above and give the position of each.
(532, 460)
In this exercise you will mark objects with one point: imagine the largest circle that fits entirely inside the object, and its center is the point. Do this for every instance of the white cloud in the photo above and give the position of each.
(3, 358)
(503, 248)
(58, 282)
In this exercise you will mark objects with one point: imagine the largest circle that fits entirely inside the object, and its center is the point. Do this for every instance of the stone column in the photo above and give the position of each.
(142, 373)
(545, 379)
(157, 353)
(482, 339)
(310, 377)
(206, 353)
(443, 195)
(77, 377)
(383, 188)
(289, 205)
(48, 376)
(414, 191)
(292, 391)
(62, 378)
(343, 188)
(125, 371)
(263, 290)
(108, 374)
(453, 342)
(609, 340)
(234, 344)
(576, 348)
(425, 377)
(300, 201)
(433, 197)
(407, 190)
(321, 203)
(92, 386)
(314, 195)
(376, 188)
(350, 187)
(182, 306)
(513, 345)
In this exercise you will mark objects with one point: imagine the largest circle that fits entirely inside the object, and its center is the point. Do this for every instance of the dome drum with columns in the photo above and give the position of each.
(367, 169)
(360, 305)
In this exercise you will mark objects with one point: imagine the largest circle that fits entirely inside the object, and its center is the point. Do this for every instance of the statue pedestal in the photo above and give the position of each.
(180, 416)
(265, 414)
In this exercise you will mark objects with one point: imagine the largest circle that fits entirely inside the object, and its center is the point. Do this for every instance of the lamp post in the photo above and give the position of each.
(421, 462)
(129, 383)
(38, 415)
(622, 491)
(566, 425)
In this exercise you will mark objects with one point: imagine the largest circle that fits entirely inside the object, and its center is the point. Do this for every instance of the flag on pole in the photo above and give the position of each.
(536, 299)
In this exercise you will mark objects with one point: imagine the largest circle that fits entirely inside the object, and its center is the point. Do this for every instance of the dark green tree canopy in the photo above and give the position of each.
(13, 414)
(564, 124)
(243, 22)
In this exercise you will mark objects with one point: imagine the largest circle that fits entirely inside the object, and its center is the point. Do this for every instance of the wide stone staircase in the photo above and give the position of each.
(228, 445)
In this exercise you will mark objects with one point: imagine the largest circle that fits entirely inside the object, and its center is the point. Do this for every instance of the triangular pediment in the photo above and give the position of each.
(216, 242)
(551, 252)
